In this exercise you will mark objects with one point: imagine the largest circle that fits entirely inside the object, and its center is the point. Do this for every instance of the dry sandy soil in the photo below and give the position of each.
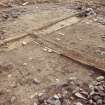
(31, 65)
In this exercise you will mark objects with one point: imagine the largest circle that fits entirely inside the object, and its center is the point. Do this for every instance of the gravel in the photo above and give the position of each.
(74, 94)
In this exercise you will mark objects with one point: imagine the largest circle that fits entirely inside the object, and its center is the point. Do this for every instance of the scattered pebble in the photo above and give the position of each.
(10, 75)
(56, 96)
(35, 103)
(44, 49)
(37, 7)
(13, 99)
(100, 78)
(50, 50)
(25, 3)
(57, 80)
(24, 43)
(87, 22)
(14, 84)
(33, 95)
(24, 64)
(30, 58)
(79, 95)
(36, 81)
(58, 39)
(61, 33)
(40, 94)
(78, 103)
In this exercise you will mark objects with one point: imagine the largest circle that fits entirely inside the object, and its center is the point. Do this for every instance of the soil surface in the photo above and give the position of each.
(32, 72)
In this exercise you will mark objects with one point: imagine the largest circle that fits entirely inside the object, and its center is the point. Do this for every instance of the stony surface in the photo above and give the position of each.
(72, 93)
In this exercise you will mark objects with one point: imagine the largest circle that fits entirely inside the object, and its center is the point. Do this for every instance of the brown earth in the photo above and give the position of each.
(27, 65)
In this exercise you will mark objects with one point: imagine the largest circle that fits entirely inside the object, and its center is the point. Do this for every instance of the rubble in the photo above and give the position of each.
(93, 94)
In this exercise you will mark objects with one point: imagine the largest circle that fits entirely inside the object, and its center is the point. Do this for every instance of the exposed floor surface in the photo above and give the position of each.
(28, 66)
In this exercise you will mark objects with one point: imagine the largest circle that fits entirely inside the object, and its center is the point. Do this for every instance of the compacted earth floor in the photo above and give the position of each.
(32, 72)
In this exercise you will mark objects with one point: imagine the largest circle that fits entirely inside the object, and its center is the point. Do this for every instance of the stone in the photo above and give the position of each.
(25, 3)
(79, 95)
(10, 75)
(56, 96)
(36, 81)
(50, 50)
(78, 103)
(99, 102)
(24, 43)
(96, 97)
(58, 39)
(35, 103)
(53, 101)
(13, 84)
(100, 78)
(13, 99)
(90, 101)
(24, 64)
(57, 80)
(44, 49)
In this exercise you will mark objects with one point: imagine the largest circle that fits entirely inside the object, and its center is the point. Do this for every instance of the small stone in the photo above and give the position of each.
(99, 102)
(99, 88)
(58, 39)
(30, 58)
(57, 80)
(52, 101)
(33, 95)
(100, 78)
(14, 85)
(40, 94)
(9, 76)
(78, 103)
(50, 50)
(79, 95)
(72, 78)
(95, 19)
(90, 101)
(24, 43)
(42, 98)
(61, 33)
(92, 93)
(35, 103)
(13, 99)
(66, 102)
(25, 3)
(84, 93)
(91, 87)
(56, 96)
(44, 49)
(87, 23)
(36, 81)
(36, 7)
(96, 97)
(80, 39)
(24, 64)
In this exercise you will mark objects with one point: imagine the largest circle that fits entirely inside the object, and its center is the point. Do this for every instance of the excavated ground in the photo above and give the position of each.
(31, 64)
